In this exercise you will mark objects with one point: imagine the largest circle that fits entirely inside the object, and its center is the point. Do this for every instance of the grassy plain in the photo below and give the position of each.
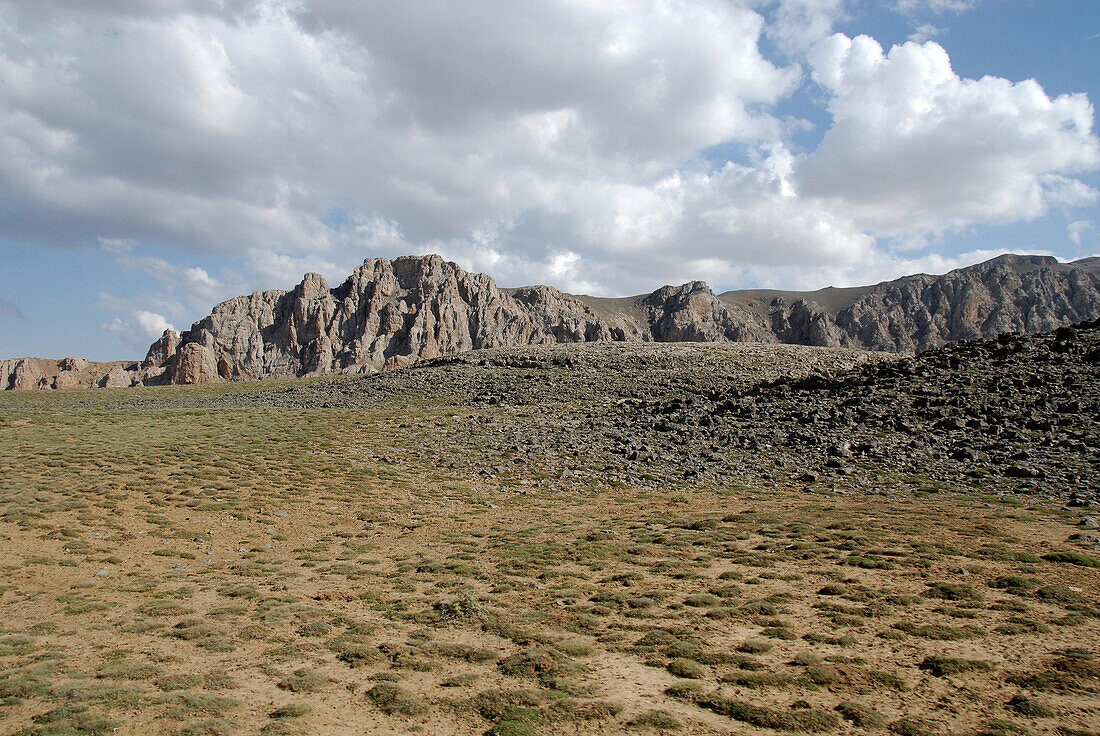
(169, 566)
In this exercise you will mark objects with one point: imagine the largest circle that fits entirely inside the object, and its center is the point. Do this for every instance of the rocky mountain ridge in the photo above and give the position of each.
(390, 314)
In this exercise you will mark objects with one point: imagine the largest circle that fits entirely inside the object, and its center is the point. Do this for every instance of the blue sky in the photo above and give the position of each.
(156, 158)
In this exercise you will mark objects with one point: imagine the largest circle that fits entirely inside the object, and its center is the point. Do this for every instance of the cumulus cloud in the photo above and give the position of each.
(184, 293)
(139, 328)
(282, 269)
(740, 220)
(914, 148)
(799, 24)
(557, 142)
(214, 132)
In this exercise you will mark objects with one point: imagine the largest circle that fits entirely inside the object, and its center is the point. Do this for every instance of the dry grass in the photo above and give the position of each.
(315, 571)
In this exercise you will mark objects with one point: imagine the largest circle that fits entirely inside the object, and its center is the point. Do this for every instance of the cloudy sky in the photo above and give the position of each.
(157, 156)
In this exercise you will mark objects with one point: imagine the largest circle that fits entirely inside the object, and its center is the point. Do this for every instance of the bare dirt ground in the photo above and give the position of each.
(532, 542)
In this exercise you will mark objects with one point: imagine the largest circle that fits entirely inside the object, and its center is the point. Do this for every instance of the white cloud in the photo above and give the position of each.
(799, 24)
(556, 142)
(283, 271)
(924, 32)
(914, 148)
(934, 6)
(1077, 230)
(189, 281)
(185, 294)
(716, 226)
(139, 329)
(567, 269)
(117, 246)
(269, 131)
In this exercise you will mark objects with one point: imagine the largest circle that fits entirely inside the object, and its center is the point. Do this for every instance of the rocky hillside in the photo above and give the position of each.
(1017, 412)
(390, 314)
(40, 373)
(1017, 294)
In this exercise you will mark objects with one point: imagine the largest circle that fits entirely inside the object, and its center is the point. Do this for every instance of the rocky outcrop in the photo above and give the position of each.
(567, 319)
(692, 313)
(386, 314)
(1021, 294)
(1016, 413)
(160, 352)
(390, 314)
(117, 377)
(23, 373)
(1009, 294)
(805, 323)
(38, 373)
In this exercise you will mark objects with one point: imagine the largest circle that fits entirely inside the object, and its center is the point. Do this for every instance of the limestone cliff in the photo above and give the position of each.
(389, 314)
(1027, 294)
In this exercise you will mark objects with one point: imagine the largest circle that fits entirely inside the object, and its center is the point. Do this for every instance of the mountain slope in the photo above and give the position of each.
(1025, 294)
(390, 314)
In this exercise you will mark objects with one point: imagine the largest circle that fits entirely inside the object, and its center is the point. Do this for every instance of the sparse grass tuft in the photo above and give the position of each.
(656, 719)
(1072, 557)
(392, 699)
(941, 666)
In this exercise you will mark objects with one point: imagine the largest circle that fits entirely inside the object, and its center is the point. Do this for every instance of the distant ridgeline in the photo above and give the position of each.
(389, 314)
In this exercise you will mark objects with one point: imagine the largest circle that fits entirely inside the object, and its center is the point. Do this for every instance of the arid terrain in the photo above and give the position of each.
(569, 539)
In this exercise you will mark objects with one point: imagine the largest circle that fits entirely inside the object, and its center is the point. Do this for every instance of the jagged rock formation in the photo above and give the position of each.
(38, 373)
(387, 314)
(692, 313)
(390, 314)
(1021, 294)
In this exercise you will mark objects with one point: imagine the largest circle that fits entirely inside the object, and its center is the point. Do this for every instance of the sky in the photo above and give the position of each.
(159, 156)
